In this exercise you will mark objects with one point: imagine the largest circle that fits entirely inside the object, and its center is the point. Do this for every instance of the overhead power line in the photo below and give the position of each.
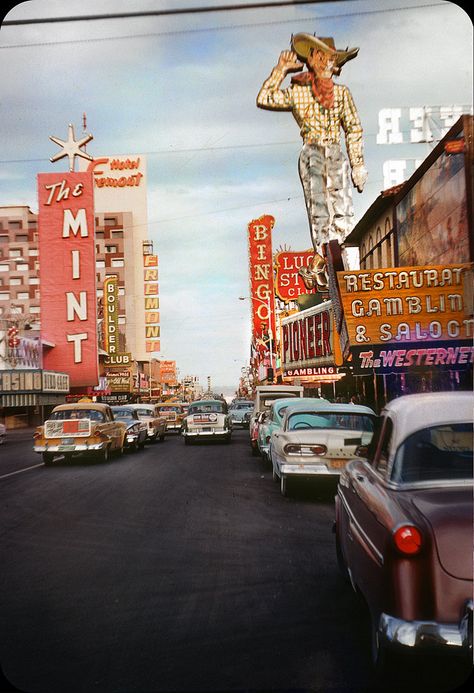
(162, 13)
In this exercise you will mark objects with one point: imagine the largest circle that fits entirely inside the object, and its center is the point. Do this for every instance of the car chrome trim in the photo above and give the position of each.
(363, 535)
(419, 634)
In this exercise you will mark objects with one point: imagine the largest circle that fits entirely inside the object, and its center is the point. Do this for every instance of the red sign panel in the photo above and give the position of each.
(289, 283)
(261, 277)
(68, 276)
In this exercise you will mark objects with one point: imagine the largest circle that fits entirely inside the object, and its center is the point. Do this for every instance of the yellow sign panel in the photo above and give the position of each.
(408, 304)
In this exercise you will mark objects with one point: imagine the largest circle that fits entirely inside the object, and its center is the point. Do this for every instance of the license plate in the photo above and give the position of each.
(337, 464)
(66, 448)
(206, 429)
(65, 441)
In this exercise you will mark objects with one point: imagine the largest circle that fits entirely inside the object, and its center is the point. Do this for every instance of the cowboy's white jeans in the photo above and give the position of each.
(325, 177)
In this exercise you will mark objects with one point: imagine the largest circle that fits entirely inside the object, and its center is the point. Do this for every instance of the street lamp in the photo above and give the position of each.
(270, 331)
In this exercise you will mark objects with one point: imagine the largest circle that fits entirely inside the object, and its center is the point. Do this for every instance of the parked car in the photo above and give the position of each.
(156, 423)
(404, 526)
(274, 420)
(174, 414)
(136, 432)
(318, 438)
(238, 411)
(254, 427)
(207, 419)
(3, 433)
(87, 428)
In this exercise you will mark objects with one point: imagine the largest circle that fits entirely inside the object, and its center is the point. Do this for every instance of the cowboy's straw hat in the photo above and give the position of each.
(303, 43)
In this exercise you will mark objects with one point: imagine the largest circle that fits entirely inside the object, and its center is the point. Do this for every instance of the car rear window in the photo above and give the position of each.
(66, 414)
(204, 408)
(314, 419)
(441, 452)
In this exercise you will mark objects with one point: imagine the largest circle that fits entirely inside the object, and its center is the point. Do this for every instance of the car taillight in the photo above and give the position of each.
(407, 539)
(267, 440)
(295, 449)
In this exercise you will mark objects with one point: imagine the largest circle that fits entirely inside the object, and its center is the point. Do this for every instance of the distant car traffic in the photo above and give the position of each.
(136, 432)
(238, 410)
(273, 419)
(404, 527)
(207, 419)
(3, 433)
(156, 423)
(87, 428)
(318, 438)
(174, 414)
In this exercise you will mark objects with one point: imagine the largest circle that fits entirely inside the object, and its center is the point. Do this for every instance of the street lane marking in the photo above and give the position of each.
(19, 471)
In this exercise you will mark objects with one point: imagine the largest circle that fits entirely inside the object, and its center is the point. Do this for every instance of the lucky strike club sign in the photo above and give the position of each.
(288, 282)
(68, 275)
(261, 276)
(408, 304)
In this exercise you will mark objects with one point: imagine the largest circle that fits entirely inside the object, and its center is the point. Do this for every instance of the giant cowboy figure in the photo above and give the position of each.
(321, 108)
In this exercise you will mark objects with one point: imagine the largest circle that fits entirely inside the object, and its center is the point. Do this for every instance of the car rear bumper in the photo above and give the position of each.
(308, 470)
(206, 434)
(82, 447)
(174, 426)
(429, 635)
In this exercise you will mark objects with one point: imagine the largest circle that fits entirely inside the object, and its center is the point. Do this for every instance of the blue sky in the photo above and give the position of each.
(182, 89)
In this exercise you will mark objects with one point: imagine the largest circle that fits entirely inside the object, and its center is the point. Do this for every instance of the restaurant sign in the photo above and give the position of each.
(408, 304)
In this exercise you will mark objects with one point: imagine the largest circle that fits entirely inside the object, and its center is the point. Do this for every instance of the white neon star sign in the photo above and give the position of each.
(71, 148)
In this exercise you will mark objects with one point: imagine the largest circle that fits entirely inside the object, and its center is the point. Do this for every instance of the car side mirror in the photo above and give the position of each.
(362, 451)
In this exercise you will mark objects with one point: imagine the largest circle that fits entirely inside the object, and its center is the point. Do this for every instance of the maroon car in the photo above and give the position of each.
(404, 527)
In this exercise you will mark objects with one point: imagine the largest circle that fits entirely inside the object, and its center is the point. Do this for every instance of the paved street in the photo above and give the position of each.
(173, 569)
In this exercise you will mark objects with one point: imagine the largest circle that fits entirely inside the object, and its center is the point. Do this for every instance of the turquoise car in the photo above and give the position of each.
(273, 419)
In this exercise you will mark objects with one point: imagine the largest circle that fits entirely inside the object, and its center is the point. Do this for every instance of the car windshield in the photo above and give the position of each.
(66, 414)
(144, 412)
(441, 452)
(341, 420)
(215, 407)
(123, 414)
(169, 408)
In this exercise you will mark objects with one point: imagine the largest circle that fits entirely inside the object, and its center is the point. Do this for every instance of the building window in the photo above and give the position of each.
(4, 268)
(21, 239)
(33, 280)
(34, 252)
(117, 233)
(16, 281)
(99, 234)
(110, 221)
(21, 268)
(34, 309)
(100, 264)
(4, 296)
(110, 248)
(23, 296)
(14, 225)
(15, 252)
(117, 262)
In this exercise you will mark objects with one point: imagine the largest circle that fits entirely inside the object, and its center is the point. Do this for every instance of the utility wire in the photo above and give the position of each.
(162, 13)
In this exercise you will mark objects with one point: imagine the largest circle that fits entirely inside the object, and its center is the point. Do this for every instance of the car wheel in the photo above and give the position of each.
(141, 445)
(275, 476)
(283, 485)
(228, 438)
(187, 440)
(162, 437)
(132, 447)
(103, 455)
(48, 458)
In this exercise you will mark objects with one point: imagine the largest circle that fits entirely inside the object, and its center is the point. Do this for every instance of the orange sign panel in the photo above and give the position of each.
(408, 304)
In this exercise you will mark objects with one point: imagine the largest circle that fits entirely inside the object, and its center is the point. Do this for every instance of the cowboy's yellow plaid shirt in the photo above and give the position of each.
(318, 125)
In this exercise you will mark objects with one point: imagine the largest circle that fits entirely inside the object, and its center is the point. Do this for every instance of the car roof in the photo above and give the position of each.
(100, 406)
(336, 407)
(208, 401)
(412, 413)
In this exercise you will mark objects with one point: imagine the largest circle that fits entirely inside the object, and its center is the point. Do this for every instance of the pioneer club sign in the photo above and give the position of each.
(68, 275)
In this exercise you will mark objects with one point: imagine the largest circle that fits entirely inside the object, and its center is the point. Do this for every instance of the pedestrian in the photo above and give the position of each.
(321, 108)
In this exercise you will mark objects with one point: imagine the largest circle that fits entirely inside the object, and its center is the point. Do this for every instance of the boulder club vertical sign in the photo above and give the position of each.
(68, 275)
(261, 277)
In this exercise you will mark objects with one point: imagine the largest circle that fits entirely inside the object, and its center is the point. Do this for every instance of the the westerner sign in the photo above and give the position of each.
(408, 304)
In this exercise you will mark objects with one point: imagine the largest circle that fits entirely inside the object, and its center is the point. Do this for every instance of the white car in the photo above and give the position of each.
(3, 433)
(207, 419)
(156, 423)
(318, 440)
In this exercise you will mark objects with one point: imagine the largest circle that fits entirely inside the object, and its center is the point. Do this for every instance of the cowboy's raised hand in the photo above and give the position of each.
(359, 176)
(288, 61)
